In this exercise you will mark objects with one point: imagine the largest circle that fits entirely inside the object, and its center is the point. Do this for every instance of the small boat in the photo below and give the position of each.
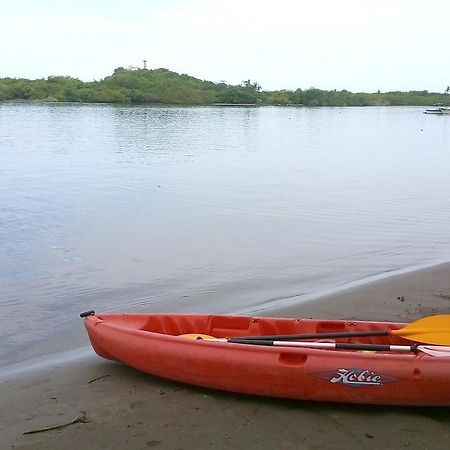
(439, 109)
(366, 362)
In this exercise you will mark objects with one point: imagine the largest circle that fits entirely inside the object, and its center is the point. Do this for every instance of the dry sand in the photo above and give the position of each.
(127, 409)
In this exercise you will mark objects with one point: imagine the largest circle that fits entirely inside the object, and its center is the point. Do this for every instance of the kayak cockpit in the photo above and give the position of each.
(220, 326)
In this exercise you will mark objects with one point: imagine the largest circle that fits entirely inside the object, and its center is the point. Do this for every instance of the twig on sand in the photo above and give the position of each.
(98, 378)
(78, 419)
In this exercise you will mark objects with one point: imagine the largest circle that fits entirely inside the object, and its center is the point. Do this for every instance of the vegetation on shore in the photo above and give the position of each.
(161, 86)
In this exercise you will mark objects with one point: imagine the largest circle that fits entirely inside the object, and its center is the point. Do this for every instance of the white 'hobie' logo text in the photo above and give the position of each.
(357, 377)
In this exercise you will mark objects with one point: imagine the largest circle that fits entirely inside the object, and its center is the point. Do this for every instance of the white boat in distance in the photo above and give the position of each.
(438, 110)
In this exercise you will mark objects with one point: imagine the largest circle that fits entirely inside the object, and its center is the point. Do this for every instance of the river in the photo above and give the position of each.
(206, 209)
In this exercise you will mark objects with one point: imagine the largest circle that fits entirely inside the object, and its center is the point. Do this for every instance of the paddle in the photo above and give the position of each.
(429, 330)
(436, 351)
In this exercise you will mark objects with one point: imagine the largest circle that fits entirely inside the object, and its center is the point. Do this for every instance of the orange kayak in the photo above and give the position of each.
(362, 369)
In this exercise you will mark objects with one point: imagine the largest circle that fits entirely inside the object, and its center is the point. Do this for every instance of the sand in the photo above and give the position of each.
(123, 408)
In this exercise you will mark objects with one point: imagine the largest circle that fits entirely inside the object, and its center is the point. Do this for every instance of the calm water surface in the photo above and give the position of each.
(206, 209)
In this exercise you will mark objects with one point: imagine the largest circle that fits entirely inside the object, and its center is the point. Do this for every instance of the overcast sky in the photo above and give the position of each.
(358, 45)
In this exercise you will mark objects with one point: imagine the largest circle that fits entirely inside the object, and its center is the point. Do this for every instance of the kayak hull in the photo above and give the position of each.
(152, 343)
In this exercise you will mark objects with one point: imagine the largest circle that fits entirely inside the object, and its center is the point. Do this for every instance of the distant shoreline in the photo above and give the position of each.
(164, 87)
(213, 105)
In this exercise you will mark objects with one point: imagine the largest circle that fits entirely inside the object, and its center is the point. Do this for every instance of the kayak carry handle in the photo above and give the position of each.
(91, 312)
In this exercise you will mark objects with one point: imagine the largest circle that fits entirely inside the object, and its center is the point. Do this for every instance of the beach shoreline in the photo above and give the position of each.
(125, 408)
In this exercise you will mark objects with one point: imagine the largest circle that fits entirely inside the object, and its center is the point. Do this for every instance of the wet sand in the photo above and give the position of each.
(127, 409)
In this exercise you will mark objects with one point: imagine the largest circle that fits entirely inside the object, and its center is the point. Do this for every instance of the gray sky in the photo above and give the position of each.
(358, 45)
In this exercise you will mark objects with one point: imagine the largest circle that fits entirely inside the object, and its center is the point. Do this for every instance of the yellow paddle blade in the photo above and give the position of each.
(430, 330)
(196, 336)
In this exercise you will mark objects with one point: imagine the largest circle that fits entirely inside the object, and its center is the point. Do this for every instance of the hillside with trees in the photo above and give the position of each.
(162, 86)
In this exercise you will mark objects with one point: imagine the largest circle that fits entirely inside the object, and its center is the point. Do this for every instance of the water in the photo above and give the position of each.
(206, 209)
